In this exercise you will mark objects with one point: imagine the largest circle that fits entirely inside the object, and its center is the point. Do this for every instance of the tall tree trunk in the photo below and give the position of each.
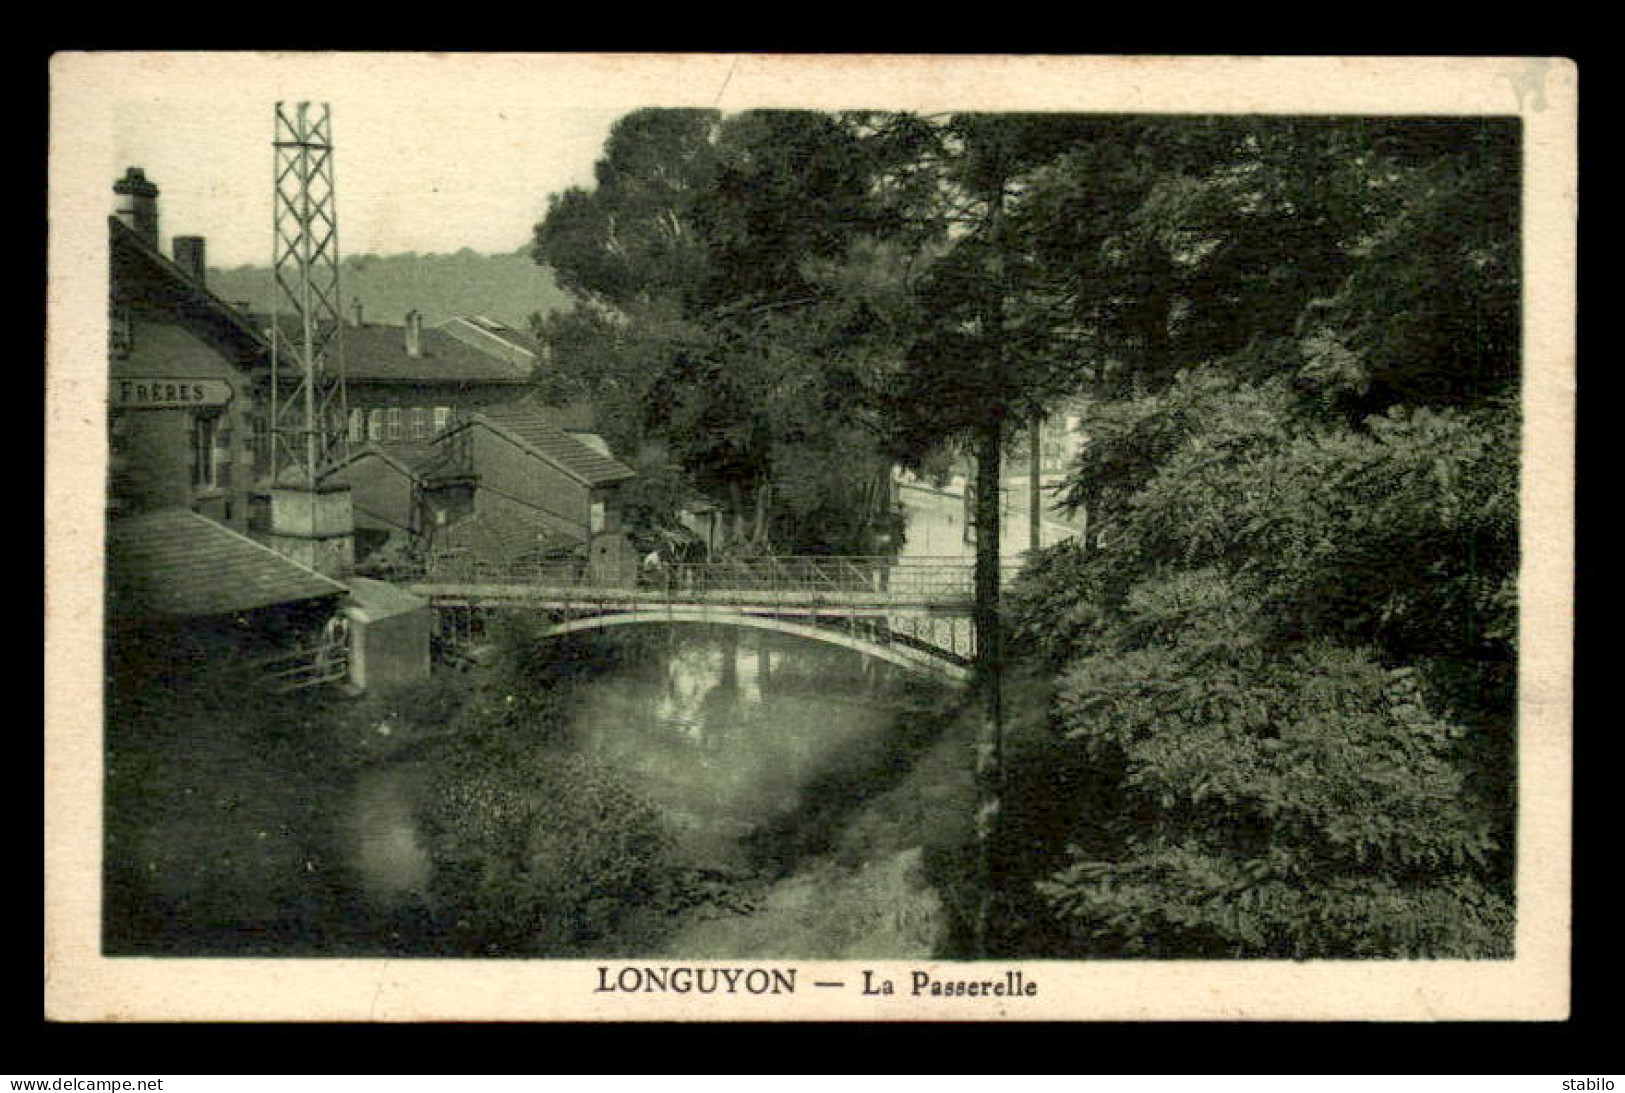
(736, 516)
(759, 523)
(1035, 496)
(989, 672)
(989, 633)
(989, 442)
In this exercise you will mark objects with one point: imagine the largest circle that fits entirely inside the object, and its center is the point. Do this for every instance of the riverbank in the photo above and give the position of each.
(892, 883)
(584, 799)
(225, 816)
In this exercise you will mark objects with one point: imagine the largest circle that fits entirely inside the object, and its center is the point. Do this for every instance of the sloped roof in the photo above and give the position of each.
(376, 353)
(530, 426)
(132, 256)
(169, 351)
(174, 563)
(503, 537)
(393, 457)
(496, 338)
(378, 600)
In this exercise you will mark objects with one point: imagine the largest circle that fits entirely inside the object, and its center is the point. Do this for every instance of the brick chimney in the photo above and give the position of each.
(414, 334)
(137, 204)
(189, 256)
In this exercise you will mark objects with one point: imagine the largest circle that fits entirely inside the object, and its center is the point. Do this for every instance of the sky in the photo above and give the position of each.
(434, 152)
(422, 176)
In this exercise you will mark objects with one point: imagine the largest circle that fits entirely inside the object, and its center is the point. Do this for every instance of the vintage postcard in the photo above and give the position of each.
(853, 538)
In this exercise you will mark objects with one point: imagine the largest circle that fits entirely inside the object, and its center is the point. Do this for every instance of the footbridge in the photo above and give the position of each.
(913, 613)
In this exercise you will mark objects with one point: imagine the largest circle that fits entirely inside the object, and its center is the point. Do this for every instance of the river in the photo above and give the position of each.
(784, 771)
(811, 792)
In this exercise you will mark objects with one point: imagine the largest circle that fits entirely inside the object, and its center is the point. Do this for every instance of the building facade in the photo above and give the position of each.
(407, 384)
(526, 489)
(451, 453)
(188, 376)
(209, 562)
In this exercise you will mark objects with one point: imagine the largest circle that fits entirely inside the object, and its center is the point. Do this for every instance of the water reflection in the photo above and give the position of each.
(725, 729)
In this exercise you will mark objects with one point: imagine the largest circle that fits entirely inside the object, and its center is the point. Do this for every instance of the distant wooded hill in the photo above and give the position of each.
(507, 287)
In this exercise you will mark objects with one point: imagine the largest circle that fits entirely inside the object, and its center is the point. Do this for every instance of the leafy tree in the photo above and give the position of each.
(713, 323)
(631, 238)
(1268, 705)
(1287, 652)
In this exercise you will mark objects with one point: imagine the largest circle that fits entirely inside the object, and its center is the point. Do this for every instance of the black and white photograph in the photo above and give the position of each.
(731, 537)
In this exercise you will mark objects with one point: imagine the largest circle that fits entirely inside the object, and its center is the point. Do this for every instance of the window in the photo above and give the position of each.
(259, 432)
(375, 425)
(442, 419)
(420, 423)
(395, 429)
(358, 426)
(203, 450)
(596, 518)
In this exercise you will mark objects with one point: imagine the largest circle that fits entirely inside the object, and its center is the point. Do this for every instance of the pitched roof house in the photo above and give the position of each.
(524, 487)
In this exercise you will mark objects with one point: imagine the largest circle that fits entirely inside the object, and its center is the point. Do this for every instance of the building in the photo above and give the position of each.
(1061, 438)
(188, 386)
(385, 499)
(504, 484)
(508, 484)
(409, 386)
(207, 563)
(188, 376)
(498, 339)
(939, 518)
(451, 453)
(188, 593)
(406, 384)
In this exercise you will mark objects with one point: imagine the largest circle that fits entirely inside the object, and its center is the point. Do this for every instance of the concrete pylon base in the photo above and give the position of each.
(315, 527)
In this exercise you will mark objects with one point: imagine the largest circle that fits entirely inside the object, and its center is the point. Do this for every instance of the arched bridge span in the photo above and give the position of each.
(914, 613)
(902, 654)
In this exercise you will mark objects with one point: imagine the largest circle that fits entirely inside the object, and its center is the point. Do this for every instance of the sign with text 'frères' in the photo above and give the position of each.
(168, 394)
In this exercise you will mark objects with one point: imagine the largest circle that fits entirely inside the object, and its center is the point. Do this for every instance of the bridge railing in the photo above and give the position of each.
(923, 576)
(466, 568)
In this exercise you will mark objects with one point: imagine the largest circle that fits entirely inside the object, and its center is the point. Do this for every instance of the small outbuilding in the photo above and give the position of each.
(390, 631)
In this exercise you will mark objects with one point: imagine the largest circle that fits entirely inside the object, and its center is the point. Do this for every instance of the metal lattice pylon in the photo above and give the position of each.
(308, 410)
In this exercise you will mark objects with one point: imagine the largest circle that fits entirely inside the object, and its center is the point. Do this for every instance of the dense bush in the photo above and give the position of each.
(1297, 803)
(538, 849)
(539, 857)
(1292, 651)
